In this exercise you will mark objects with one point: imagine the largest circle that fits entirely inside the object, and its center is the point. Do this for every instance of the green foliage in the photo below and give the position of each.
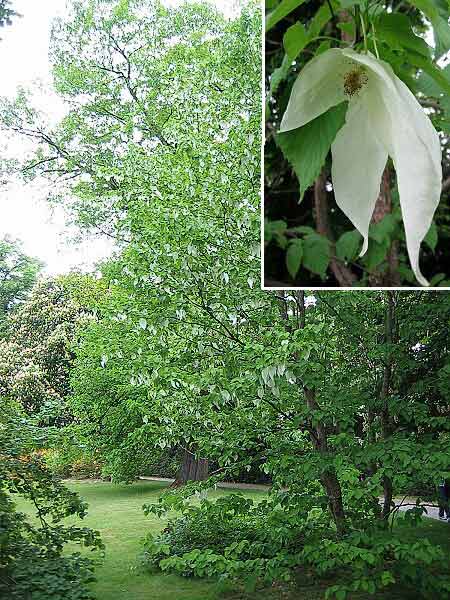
(280, 11)
(32, 562)
(378, 562)
(307, 147)
(297, 37)
(436, 12)
(6, 13)
(294, 256)
(316, 253)
(342, 352)
(260, 542)
(396, 30)
(233, 537)
(211, 525)
(18, 274)
(183, 187)
(348, 245)
(71, 463)
(35, 353)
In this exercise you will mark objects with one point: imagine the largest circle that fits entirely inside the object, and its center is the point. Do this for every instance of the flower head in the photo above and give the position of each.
(383, 119)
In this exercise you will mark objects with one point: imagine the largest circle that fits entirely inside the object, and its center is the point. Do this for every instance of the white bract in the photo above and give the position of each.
(383, 119)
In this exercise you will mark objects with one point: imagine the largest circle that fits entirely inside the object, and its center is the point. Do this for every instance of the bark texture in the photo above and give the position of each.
(344, 275)
(192, 469)
(317, 432)
(328, 477)
(383, 206)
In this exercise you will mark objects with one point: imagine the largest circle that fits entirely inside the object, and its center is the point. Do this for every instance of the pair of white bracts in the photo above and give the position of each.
(383, 119)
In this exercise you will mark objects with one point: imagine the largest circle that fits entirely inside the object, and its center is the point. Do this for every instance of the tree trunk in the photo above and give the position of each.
(328, 477)
(332, 487)
(383, 206)
(317, 432)
(389, 335)
(192, 469)
(343, 275)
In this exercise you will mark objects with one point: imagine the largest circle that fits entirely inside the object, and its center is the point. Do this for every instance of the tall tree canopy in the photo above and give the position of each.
(18, 274)
(6, 13)
(161, 151)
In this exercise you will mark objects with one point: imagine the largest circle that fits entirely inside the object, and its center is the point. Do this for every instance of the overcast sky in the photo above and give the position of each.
(24, 213)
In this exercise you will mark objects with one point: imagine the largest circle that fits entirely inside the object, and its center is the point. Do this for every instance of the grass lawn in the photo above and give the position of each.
(115, 510)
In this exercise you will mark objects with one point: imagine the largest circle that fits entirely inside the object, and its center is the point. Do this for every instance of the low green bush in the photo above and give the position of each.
(288, 535)
(74, 465)
(34, 563)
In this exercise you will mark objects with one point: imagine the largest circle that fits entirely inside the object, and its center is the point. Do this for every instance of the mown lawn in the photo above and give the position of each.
(115, 510)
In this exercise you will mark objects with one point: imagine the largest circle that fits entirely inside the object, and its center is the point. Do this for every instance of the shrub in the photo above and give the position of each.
(288, 535)
(73, 465)
(33, 561)
(234, 536)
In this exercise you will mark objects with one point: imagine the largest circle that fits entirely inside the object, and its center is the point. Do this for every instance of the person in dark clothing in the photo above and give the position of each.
(444, 508)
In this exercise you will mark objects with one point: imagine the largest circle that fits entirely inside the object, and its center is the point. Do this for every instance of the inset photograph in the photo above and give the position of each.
(356, 159)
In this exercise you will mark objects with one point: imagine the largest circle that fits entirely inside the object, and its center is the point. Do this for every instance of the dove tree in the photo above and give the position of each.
(163, 155)
(336, 396)
(369, 82)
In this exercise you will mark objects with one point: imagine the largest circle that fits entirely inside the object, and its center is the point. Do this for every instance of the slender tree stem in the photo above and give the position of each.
(375, 41)
(363, 28)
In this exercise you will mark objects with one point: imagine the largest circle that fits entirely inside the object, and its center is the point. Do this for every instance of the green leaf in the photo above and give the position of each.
(341, 594)
(428, 86)
(294, 256)
(396, 30)
(384, 229)
(279, 74)
(397, 62)
(406, 273)
(282, 10)
(274, 230)
(387, 578)
(320, 19)
(440, 24)
(375, 254)
(431, 239)
(323, 47)
(440, 77)
(348, 28)
(433, 86)
(441, 37)
(306, 148)
(316, 253)
(295, 39)
(437, 279)
(348, 245)
(302, 229)
(349, 3)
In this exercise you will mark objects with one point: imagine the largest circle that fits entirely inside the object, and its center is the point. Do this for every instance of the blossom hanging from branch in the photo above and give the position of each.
(383, 119)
